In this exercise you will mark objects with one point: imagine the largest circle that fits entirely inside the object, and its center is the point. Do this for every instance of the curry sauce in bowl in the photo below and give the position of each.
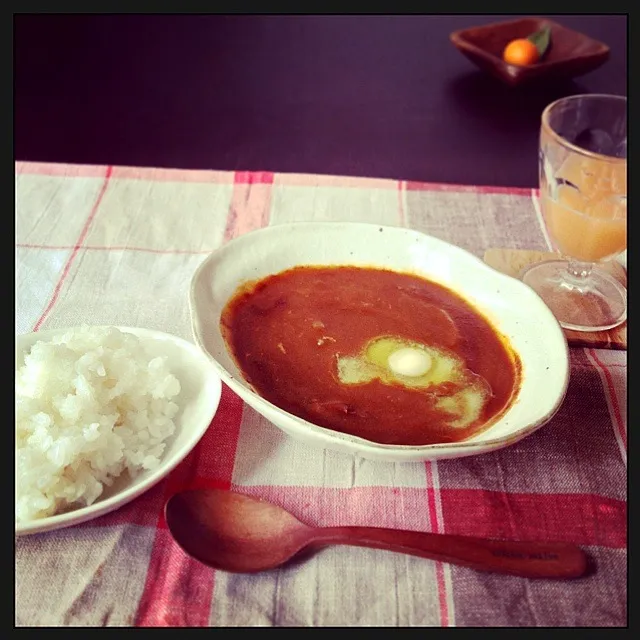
(379, 341)
(386, 356)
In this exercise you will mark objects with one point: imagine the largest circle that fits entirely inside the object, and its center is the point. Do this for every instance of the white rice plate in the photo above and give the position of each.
(91, 404)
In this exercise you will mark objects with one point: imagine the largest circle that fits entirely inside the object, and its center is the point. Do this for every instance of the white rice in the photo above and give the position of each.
(90, 404)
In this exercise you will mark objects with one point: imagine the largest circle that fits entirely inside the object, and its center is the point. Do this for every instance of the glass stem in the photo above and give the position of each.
(578, 272)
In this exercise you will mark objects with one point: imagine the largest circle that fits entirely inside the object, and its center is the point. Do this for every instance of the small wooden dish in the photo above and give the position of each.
(570, 53)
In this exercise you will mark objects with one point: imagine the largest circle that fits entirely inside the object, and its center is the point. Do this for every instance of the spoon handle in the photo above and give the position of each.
(526, 559)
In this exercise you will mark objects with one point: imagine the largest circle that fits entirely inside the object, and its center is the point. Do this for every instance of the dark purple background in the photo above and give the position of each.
(382, 96)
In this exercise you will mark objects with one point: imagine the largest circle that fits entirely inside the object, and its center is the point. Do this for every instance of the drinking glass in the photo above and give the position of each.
(583, 199)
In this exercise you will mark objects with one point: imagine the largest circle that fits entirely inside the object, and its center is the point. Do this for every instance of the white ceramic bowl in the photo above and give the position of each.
(198, 401)
(514, 309)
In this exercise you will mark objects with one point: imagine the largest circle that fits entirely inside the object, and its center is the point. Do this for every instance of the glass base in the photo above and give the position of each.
(593, 303)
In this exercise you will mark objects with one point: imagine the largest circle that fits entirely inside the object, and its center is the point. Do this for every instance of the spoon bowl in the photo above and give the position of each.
(237, 533)
(231, 531)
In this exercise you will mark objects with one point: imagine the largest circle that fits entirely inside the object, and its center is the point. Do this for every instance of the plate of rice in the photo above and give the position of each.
(102, 414)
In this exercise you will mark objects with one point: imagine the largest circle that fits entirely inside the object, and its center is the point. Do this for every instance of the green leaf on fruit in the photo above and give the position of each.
(541, 39)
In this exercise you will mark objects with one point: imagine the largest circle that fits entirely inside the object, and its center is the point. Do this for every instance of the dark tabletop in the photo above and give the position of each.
(381, 96)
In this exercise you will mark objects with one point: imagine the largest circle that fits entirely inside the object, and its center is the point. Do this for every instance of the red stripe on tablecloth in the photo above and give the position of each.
(210, 464)
(584, 519)
(437, 527)
(178, 589)
(250, 203)
(168, 598)
(253, 177)
(442, 595)
(76, 249)
(618, 422)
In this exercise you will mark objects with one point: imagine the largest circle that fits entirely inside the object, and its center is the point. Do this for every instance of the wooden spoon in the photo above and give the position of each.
(234, 532)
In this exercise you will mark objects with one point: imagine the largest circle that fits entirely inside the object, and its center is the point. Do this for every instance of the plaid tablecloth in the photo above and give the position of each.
(117, 245)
